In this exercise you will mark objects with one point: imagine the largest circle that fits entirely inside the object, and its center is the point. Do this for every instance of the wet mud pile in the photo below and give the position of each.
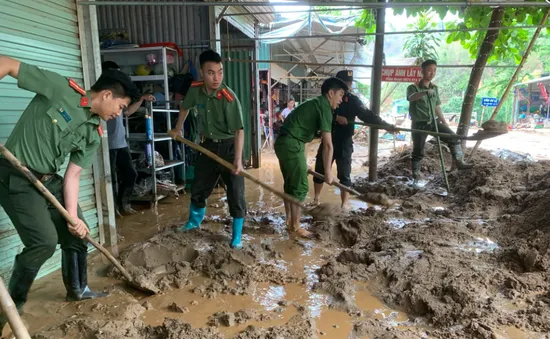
(168, 261)
(470, 265)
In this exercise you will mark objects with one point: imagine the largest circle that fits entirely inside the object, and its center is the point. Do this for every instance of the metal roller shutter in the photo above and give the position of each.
(43, 33)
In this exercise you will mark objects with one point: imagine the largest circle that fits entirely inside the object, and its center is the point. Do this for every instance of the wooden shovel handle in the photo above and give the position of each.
(10, 312)
(50, 197)
(230, 166)
(334, 183)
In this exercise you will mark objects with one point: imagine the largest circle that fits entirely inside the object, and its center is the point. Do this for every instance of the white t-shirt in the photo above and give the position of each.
(286, 112)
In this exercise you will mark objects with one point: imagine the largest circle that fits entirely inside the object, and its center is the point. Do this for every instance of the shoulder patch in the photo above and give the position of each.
(228, 96)
(76, 87)
(197, 84)
(100, 131)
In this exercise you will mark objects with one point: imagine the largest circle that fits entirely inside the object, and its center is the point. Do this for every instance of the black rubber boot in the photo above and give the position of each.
(458, 157)
(125, 205)
(416, 170)
(74, 268)
(19, 287)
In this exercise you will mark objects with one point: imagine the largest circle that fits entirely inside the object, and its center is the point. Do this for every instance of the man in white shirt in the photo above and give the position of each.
(289, 108)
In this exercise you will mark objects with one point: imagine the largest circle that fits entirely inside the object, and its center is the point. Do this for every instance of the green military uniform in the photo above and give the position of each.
(298, 129)
(219, 117)
(422, 114)
(56, 123)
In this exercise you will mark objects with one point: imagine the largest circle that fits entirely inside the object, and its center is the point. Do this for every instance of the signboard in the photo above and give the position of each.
(401, 74)
(489, 102)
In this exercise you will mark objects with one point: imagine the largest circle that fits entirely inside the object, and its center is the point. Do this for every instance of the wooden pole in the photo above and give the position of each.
(10, 312)
(514, 77)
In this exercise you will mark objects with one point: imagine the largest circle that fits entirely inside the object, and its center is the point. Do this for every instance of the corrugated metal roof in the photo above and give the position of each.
(148, 24)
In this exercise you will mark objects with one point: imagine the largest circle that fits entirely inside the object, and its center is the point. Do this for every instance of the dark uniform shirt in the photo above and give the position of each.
(350, 108)
(57, 122)
(219, 113)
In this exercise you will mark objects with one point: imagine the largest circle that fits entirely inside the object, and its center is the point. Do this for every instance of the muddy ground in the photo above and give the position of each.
(472, 264)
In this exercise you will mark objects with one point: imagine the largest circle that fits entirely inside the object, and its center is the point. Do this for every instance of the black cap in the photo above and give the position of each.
(346, 75)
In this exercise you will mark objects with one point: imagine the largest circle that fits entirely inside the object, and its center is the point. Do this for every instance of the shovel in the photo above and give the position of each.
(49, 196)
(373, 198)
(10, 312)
(245, 174)
(480, 135)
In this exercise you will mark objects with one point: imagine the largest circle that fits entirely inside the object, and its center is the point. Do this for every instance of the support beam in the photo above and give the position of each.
(91, 69)
(220, 16)
(467, 3)
(338, 37)
(257, 123)
(376, 88)
(214, 29)
(356, 65)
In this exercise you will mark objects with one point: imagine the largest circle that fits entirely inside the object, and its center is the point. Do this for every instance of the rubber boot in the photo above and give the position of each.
(416, 170)
(237, 233)
(74, 268)
(458, 157)
(18, 288)
(125, 205)
(196, 215)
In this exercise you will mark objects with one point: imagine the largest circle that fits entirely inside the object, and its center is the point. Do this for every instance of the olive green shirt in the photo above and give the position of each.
(308, 118)
(219, 114)
(57, 122)
(423, 110)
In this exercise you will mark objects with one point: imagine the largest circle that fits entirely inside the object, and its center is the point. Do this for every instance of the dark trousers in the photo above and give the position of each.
(207, 172)
(39, 224)
(419, 139)
(123, 173)
(343, 164)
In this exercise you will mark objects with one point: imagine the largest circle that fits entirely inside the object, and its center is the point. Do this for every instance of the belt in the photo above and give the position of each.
(218, 141)
(40, 176)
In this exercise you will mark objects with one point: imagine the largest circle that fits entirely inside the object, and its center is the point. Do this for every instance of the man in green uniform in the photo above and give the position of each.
(298, 129)
(221, 125)
(425, 111)
(62, 119)
(343, 128)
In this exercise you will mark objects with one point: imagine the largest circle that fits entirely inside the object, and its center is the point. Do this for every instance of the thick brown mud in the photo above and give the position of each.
(469, 263)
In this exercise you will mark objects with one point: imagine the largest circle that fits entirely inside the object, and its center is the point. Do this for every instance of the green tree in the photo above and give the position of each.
(496, 44)
(422, 46)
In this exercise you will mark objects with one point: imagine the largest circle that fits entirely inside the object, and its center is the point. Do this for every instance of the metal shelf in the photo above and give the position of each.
(141, 137)
(161, 110)
(169, 164)
(137, 78)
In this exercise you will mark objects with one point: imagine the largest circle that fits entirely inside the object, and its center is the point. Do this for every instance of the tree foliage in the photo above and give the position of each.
(422, 46)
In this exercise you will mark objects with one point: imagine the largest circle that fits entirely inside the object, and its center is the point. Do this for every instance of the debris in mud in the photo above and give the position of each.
(229, 319)
(169, 259)
(298, 326)
(174, 307)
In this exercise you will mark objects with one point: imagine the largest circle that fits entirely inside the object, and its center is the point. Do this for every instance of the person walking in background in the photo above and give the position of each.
(289, 108)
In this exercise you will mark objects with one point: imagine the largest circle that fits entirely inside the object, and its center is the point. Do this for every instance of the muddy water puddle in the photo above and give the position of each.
(276, 303)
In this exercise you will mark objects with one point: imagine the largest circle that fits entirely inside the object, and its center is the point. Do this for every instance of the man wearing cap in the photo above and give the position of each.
(343, 128)
(61, 120)
(425, 111)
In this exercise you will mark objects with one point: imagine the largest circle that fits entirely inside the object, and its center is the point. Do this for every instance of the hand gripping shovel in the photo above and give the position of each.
(49, 196)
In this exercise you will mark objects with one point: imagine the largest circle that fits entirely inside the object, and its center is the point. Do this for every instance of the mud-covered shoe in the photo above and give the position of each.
(196, 215)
